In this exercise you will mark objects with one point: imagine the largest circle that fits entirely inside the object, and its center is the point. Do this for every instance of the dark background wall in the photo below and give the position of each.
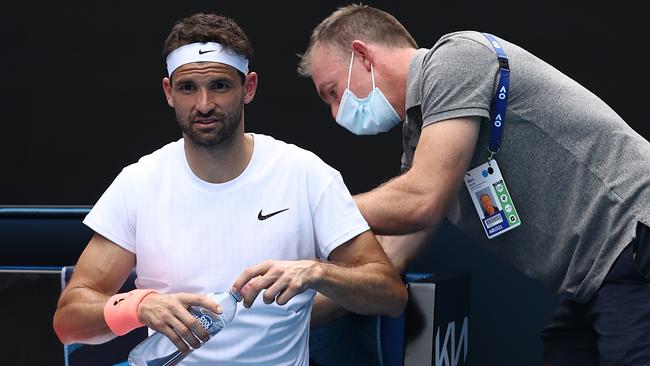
(81, 98)
(82, 95)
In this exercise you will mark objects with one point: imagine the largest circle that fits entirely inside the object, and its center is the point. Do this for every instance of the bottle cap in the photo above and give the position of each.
(236, 295)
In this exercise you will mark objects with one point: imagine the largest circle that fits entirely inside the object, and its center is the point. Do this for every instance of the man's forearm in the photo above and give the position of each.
(80, 317)
(371, 288)
(403, 249)
(397, 207)
(420, 197)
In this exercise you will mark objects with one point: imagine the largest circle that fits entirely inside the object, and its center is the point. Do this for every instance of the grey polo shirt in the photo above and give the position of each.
(578, 175)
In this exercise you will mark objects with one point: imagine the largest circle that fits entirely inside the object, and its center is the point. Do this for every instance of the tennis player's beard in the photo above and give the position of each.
(219, 136)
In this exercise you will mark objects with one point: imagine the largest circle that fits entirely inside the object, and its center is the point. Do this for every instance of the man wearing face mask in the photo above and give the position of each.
(366, 116)
(488, 116)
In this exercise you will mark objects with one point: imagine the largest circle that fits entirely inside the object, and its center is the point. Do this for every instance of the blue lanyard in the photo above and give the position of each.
(499, 113)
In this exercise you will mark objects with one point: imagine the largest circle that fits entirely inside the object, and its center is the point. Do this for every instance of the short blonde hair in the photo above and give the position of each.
(352, 22)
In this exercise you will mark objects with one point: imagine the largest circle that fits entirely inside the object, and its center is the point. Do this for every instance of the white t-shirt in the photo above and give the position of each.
(193, 236)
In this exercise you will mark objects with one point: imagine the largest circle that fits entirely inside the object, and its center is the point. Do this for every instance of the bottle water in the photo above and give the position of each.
(158, 350)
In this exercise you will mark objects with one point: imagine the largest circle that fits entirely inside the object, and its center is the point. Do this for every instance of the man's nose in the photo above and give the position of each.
(334, 107)
(204, 103)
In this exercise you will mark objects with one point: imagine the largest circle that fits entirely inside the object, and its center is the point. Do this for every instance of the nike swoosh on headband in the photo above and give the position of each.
(206, 51)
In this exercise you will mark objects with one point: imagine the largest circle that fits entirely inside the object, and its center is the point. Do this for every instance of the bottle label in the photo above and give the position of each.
(205, 321)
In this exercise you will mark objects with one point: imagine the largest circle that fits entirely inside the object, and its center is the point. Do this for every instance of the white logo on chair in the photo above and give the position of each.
(449, 353)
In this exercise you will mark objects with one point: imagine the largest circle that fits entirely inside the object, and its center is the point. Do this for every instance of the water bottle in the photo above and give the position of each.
(158, 350)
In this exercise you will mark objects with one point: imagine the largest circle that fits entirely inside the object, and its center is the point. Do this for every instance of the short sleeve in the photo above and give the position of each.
(113, 216)
(459, 78)
(336, 217)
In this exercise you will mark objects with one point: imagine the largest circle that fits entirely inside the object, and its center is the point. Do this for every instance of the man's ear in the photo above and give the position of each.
(362, 52)
(250, 87)
(167, 88)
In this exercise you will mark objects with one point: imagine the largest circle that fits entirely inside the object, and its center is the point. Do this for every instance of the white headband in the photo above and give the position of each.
(211, 51)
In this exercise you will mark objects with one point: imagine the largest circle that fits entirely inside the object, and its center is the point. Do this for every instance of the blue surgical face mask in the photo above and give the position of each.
(367, 116)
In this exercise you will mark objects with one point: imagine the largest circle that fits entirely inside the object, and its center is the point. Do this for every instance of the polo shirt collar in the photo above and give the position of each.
(414, 79)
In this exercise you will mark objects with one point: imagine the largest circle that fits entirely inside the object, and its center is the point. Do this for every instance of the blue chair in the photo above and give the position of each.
(358, 340)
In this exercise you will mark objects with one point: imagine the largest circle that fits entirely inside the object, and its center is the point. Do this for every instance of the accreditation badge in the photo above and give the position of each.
(491, 199)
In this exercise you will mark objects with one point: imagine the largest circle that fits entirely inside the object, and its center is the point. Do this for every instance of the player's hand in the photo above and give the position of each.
(169, 314)
(281, 279)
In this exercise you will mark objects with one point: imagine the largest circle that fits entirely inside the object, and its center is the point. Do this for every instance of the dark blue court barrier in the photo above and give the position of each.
(42, 236)
(35, 242)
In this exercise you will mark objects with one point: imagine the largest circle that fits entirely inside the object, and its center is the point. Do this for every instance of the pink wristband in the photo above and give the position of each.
(121, 311)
